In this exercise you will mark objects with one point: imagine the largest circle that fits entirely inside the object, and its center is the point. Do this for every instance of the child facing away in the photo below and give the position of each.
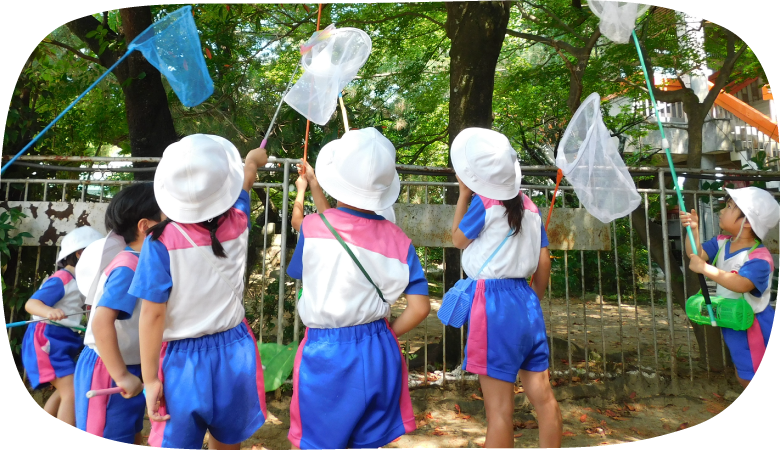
(506, 331)
(741, 267)
(50, 347)
(111, 356)
(349, 365)
(199, 359)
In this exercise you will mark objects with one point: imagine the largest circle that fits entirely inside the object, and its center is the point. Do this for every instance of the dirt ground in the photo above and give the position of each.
(597, 411)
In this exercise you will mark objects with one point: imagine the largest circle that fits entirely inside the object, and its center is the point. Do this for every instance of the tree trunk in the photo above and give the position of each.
(149, 120)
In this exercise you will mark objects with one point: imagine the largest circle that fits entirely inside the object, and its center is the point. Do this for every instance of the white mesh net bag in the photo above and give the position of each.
(328, 67)
(617, 19)
(589, 159)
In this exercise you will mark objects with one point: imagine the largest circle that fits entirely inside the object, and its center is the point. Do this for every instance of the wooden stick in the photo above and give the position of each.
(344, 113)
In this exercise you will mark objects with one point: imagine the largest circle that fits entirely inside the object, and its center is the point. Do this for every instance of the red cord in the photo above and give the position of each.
(558, 179)
(306, 140)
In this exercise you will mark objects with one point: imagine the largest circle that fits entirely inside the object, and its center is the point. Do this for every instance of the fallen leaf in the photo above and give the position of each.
(476, 397)
(583, 418)
(457, 408)
(429, 416)
(519, 389)
(632, 407)
(396, 439)
(682, 426)
(634, 429)
(686, 408)
(716, 395)
(439, 432)
(587, 409)
(667, 427)
(521, 434)
(568, 434)
(632, 396)
(517, 425)
(465, 417)
(530, 424)
(575, 379)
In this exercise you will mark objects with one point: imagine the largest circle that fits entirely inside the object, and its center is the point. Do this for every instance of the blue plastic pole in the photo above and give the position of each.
(665, 144)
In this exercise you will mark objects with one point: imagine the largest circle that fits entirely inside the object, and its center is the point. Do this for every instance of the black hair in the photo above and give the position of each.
(514, 213)
(129, 206)
(69, 260)
(210, 225)
(726, 200)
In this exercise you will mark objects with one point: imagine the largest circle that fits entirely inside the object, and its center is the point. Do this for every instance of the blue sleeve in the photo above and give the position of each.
(243, 205)
(152, 280)
(418, 285)
(759, 273)
(295, 266)
(710, 248)
(50, 292)
(545, 242)
(115, 295)
(474, 220)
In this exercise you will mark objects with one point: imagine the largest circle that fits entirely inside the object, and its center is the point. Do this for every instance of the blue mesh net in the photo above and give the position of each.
(173, 47)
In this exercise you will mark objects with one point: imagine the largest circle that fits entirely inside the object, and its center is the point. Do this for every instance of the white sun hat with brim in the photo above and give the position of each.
(359, 170)
(94, 260)
(76, 240)
(486, 163)
(759, 206)
(198, 178)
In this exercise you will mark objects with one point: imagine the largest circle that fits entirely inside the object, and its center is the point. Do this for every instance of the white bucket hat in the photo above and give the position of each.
(94, 260)
(759, 206)
(359, 170)
(77, 239)
(198, 178)
(486, 163)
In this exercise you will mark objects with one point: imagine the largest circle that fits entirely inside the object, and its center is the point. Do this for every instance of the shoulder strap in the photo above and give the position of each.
(351, 255)
(494, 253)
(208, 258)
(715, 259)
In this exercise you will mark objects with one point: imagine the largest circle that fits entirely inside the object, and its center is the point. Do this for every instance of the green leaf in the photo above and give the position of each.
(278, 361)
(91, 34)
(141, 76)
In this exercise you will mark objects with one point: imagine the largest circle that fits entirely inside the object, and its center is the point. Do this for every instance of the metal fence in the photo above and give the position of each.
(598, 329)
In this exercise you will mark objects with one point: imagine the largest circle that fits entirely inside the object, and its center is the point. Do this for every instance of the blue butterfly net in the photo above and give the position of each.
(172, 46)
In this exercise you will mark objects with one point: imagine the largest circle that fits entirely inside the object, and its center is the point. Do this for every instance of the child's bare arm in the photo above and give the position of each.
(542, 274)
(417, 309)
(729, 280)
(317, 194)
(38, 308)
(692, 219)
(108, 347)
(150, 332)
(297, 214)
(254, 159)
(459, 240)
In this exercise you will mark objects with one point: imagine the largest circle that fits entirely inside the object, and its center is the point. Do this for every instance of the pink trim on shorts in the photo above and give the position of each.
(755, 339)
(477, 345)
(45, 370)
(296, 431)
(405, 404)
(158, 428)
(258, 373)
(96, 409)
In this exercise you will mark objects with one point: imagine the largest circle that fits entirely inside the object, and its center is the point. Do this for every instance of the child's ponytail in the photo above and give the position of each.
(212, 225)
(514, 213)
(157, 230)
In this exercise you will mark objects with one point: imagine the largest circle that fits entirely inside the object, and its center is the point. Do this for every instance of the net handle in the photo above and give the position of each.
(308, 122)
(558, 179)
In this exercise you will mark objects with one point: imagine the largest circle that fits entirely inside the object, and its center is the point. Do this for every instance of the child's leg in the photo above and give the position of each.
(50, 421)
(743, 383)
(216, 445)
(499, 407)
(67, 410)
(540, 394)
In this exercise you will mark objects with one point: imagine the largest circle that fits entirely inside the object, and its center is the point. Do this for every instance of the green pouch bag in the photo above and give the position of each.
(734, 313)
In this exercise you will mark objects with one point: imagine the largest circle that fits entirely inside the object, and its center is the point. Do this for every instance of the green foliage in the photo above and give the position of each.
(11, 241)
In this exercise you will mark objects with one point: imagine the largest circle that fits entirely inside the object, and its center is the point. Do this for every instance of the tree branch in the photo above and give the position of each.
(385, 19)
(561, 24)
(73, 50)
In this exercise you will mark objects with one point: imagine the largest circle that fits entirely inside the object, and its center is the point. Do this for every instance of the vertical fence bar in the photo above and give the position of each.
(667, 271)
(584, 313)
(701, 239)
(265, 256)
(425, 322)
(651, 269)
(633, 284)
(619, 300)
(685, 294)
(715, 233)
(601, 315)
(568, 311)
(283, 254)
(443, 327)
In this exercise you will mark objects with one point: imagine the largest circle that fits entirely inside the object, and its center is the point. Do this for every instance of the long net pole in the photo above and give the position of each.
(308, 122)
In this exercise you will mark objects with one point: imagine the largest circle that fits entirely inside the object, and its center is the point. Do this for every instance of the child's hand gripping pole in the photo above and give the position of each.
(665, 144)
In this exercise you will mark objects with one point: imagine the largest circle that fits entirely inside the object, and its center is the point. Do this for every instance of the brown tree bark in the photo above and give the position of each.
(149, 120)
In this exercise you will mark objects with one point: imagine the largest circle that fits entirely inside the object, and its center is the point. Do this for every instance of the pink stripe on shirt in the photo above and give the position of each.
(378, 236)
(230, 227)
(123, 259)
(63, 275)
(763, 253)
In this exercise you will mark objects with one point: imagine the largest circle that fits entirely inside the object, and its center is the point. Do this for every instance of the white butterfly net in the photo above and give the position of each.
(589, 159)
(617, 19)
(328, 67)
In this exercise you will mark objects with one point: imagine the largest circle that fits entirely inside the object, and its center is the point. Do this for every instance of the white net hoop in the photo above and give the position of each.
(617, 19)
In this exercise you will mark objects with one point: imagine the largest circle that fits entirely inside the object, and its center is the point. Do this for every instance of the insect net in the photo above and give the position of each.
(617, 19)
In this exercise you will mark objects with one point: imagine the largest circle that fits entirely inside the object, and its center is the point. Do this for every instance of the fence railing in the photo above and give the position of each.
(609, 309)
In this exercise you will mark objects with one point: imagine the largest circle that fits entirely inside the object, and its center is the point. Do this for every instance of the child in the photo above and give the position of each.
(112, 355)
(200, 363)
(742, 267)
(506, 330)
(350, 386)
(49, 348)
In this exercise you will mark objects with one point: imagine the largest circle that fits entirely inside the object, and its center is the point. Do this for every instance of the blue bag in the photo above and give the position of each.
(456, 304)
(172, 46)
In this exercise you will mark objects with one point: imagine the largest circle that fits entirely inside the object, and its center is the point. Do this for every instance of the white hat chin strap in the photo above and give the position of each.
(741, 226)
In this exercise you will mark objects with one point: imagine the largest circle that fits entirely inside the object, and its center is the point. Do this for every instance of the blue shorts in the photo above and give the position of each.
(506, 330)
(110, 416)
(350, 388)
(747, 347)
(214, 383)
(49, 352)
